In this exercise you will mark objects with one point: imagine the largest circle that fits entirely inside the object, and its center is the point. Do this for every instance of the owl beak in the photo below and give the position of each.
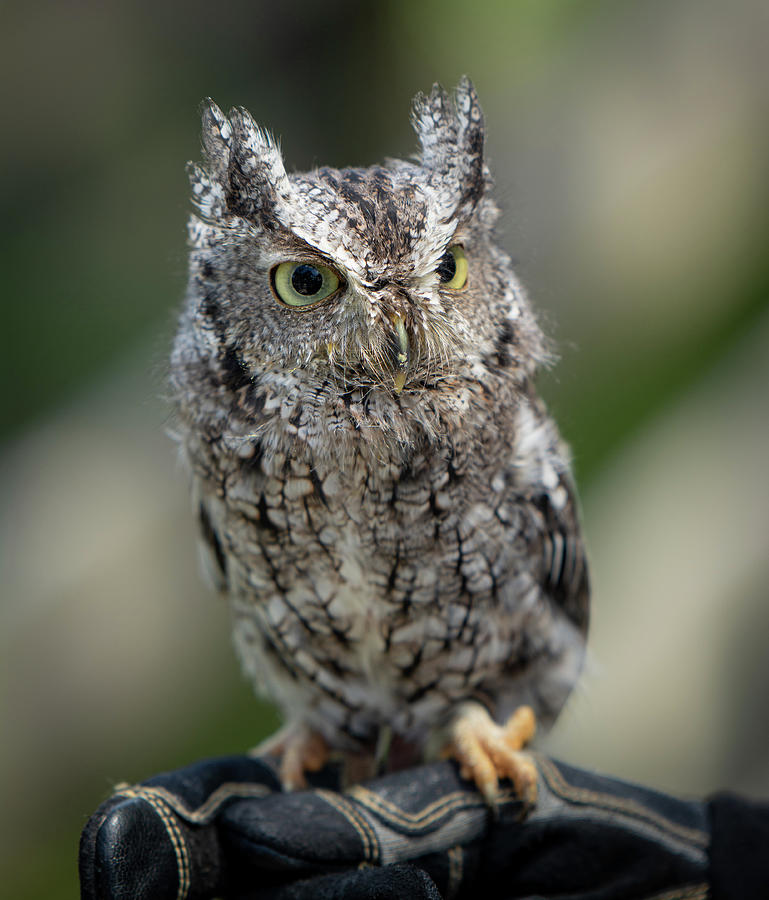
(401, 354)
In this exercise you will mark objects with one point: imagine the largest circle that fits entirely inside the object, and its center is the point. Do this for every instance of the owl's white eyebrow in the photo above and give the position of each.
(297, 248)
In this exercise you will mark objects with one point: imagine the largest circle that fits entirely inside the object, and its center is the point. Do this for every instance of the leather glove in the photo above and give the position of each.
(224, 828)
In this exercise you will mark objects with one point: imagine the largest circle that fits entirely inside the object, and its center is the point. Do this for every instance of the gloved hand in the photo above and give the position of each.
(224, 828)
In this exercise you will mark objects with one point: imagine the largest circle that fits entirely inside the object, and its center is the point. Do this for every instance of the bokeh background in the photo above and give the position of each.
(630, 144)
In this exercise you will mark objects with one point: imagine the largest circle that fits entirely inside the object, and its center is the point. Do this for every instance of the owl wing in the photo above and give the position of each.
(564, 569)
(213, 561)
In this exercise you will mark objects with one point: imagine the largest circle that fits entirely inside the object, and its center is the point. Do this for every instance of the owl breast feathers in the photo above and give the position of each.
(381, 493)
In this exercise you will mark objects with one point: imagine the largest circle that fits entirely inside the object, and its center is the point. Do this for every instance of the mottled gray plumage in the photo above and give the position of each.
(381, 492)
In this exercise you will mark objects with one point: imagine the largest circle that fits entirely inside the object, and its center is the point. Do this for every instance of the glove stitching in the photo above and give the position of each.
(150, 795)
(204, 813)
(358, 822)
(562, 788)
(425, 817)
(224, 792)
(690, 892)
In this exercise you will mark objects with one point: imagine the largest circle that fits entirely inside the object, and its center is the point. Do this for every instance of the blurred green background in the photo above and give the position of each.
(630, 146)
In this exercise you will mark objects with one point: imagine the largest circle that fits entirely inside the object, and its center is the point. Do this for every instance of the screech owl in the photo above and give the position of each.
(381, 492)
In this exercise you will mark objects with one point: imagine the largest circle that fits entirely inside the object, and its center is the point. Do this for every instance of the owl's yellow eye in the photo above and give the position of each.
(303, 284)
(452, 268)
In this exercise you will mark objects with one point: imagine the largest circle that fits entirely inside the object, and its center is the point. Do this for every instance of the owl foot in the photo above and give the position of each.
(487, 752)
(300, 750)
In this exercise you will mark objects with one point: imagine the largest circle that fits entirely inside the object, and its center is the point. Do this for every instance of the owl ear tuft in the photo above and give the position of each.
(208, 183)
(216, 134)
(434, 123)
(255, 152)
(207, 192)
(451, 136)
(244, 172)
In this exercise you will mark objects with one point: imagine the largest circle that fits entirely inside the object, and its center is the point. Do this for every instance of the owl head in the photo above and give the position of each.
(385, 278)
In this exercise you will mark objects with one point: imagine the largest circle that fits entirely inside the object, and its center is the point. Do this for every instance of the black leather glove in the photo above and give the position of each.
(223, 828)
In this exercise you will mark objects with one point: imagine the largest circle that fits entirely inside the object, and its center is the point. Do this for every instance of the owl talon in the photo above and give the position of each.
(487, 752)
(300, 749)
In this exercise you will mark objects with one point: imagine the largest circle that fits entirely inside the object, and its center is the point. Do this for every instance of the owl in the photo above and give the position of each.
(380, 491)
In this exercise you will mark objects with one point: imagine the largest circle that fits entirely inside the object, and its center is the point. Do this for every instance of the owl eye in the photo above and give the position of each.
(452, 268)
(303, 284)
